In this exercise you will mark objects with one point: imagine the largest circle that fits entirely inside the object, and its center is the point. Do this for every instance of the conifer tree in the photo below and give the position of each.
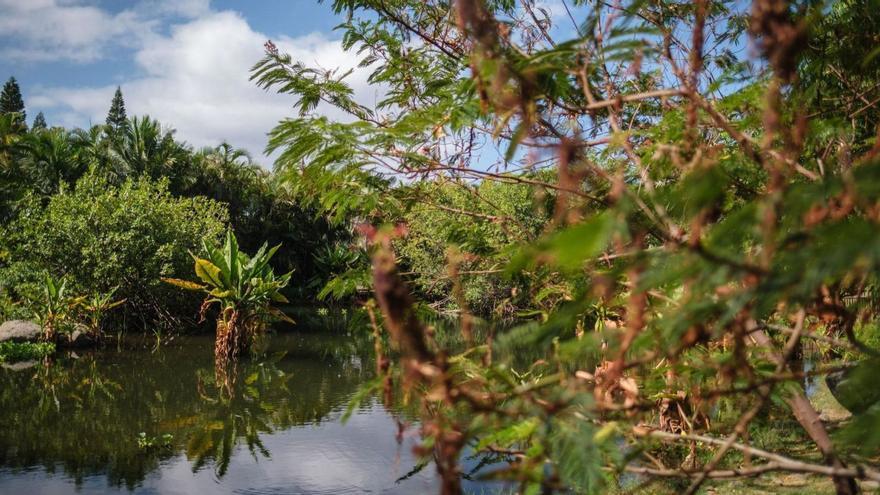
(116, 118)
(39, 122)
(10, 99)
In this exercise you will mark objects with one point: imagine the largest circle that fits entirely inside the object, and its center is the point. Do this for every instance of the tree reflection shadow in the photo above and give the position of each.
(83, 414)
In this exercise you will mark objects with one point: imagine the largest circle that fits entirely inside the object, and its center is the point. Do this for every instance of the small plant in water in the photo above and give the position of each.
(244, 288)
(61, 312)
(24, 351)
(55, 311)
(95, 308)
(152, 443)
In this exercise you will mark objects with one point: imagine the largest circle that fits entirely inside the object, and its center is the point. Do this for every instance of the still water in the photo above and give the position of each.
(75, 424)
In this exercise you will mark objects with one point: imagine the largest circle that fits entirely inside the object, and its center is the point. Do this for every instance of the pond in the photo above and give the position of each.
(132, 419)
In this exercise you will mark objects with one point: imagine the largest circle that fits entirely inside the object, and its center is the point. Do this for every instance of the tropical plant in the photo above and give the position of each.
(107, 238)
(150, 443)
(12, 181)
(335, 266)
(243, 287)
(94, 309)
(49, 160)
(148, 148)
(710, 215)
(56, 309)
(11, 352)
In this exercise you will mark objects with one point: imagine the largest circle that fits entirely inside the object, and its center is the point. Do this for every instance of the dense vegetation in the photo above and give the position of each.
(697, 223)
(651, 238)
(24, 351)
(119, 206)
(105, 238)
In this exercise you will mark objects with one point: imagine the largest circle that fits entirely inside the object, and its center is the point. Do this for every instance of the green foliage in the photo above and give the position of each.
(153, 443)
(234, 280)
(39, 123)
(94, 309)
(103, 238)
(480, 223)
(11, 352)
(11, 101)
(116, 118)
(55, 309)
(704, 209)
(40, 164)
(244, 287)
(262, 209)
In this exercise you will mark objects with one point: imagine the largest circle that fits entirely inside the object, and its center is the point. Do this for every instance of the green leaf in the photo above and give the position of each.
(222, 294)
(183, 284)
(570, 248)
(208, 272)
(505, 437)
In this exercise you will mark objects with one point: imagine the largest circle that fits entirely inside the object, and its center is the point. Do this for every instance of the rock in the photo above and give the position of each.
(80, 337)
(21, 365)
(853, 389)
(20, 331)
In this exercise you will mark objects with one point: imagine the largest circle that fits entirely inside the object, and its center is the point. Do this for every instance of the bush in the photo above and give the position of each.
(477, 224)
(11, 352)
(102, 237)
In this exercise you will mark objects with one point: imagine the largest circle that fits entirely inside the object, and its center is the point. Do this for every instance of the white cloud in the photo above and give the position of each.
(45, 30)
(196, 80)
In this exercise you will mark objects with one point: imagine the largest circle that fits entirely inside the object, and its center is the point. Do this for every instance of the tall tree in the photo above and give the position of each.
(10, 99)
(705, 219)
(116, 118)
(39, 122)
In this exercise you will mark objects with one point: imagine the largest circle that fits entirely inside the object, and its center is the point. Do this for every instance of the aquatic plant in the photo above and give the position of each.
(95, 308)
(150, 443)
(55, 310)
(243, 287)
(11, 352)
(61, 311)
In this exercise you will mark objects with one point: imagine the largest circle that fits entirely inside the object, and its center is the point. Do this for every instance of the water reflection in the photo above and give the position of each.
(74, 423)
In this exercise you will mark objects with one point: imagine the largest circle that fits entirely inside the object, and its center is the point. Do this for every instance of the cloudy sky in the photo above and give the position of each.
(184, 62)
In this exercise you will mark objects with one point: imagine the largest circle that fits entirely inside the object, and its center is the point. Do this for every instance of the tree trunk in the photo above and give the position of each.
(809, 420)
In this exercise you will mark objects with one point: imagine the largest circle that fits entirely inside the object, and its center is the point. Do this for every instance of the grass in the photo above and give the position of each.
(11, 352)
(774, 430)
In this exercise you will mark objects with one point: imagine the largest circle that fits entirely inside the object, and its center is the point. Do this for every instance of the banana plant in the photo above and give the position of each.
(55, 311)
(244, 287)
(96, 307)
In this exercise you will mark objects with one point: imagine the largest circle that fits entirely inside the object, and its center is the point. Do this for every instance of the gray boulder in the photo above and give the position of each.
(19, 331)
(19, 366)
(80, 337)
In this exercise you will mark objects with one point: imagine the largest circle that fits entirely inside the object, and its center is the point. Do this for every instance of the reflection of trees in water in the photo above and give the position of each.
(83, 414)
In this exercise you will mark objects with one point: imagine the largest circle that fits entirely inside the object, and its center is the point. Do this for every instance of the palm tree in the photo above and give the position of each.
(229, 175)
(10, 138)
(50, 159)
(226, 165)
(11, 133)
(148, 149)
(94, 148)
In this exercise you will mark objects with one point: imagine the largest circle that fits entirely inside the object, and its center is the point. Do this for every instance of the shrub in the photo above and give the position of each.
(102, 237)
(476, 228)
(11, 352)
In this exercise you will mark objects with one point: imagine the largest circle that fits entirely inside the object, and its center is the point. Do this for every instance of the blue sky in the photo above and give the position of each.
(184, 62)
